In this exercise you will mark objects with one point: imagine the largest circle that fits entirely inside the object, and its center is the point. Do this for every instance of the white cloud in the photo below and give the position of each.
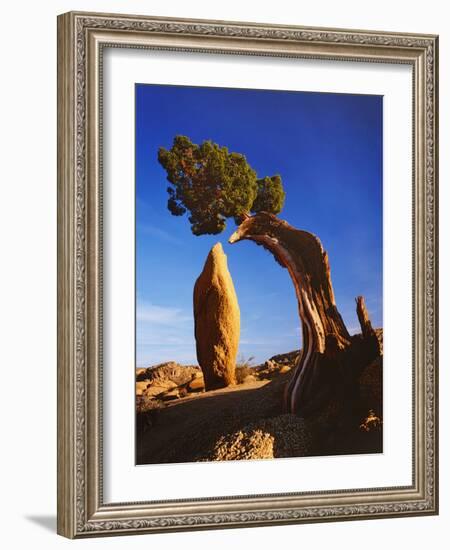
(160, 315)
(163, 333)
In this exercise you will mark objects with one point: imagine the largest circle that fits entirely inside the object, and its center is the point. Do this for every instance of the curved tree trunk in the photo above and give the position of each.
(331, 359)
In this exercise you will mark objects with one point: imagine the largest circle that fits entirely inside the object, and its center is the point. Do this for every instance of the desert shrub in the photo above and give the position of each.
(243, 368)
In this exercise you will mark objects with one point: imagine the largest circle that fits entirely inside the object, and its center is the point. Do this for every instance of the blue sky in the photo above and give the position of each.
(327, 149)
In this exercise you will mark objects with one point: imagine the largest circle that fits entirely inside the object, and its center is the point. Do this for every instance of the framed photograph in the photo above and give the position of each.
(247, 274)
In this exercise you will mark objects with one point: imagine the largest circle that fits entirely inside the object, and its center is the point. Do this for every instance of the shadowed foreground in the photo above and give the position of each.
(246, 421)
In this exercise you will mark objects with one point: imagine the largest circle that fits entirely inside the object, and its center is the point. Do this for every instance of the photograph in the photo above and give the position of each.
(258, 274)
(223, 244)
(247, 273)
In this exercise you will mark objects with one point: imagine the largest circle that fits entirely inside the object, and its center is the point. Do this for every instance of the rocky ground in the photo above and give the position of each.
(177, 421)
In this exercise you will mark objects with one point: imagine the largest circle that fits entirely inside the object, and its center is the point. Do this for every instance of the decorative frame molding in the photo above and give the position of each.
(81, 37)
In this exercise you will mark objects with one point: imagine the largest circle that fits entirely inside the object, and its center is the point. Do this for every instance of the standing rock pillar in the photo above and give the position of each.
(217, 321)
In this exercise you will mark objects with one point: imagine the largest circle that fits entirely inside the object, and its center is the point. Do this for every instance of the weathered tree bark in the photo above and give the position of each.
(331, 359)
(363, 317)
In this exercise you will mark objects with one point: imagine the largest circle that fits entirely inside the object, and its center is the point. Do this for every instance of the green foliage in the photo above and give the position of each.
(213, 184)
(270, 196)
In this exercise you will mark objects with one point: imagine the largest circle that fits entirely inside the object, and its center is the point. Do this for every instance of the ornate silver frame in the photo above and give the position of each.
(81, 510)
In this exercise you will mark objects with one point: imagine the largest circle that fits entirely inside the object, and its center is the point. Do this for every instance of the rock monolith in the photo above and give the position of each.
(217, 321)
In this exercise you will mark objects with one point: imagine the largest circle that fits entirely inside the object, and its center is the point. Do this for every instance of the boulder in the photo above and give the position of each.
(291, 358)
(285, 369)
(278, 437)
(170, 371)
(217, 321)
(270, 364)
(198, 384)
(171, 395)
(153, 389)
(140, 374)
(141, 386)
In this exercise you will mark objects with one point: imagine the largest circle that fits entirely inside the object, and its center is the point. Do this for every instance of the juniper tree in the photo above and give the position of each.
(213, 184)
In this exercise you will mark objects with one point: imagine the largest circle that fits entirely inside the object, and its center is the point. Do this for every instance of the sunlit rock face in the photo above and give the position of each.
(217, 321)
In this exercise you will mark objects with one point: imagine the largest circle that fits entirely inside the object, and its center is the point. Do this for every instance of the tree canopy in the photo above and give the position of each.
(213, 184)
